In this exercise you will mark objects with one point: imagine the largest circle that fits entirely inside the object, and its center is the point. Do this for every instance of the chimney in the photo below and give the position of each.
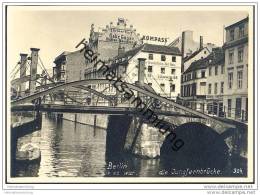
(141, 66)
(201, 42)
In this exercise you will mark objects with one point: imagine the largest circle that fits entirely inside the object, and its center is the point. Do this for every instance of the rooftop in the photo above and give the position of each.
(130, 53)
(215, 58)
(163, 49)
(151, 48)
(194, 54)
(61, 56)
(237, 23)
(196, 65)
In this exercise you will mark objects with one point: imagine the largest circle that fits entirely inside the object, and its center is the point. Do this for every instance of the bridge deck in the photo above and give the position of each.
(93, 109)
(222, 124)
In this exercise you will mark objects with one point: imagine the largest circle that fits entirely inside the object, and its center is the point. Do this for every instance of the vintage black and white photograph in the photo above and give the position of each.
(132, 94)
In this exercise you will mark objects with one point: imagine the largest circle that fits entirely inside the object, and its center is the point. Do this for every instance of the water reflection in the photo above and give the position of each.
(71, 150)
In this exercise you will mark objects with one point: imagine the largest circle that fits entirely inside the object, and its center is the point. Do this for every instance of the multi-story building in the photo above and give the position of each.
(162, 62)
(203, 84)
(236, 70)
(106, 41)
(59, 68)
(162, 68)
(194, 85)
(71, 66)
(216, 82)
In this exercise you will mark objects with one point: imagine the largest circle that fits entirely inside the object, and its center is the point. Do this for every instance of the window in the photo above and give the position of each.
(189, 77)
(216, 88)
(239, 79)
(231, 57)
(238, 107)
(172, 88)
(193, 89)
(222, 88)
(240, 54)
(222, 69)
(173, 58)
(150, 84)
(230, 80)
(246, 111)
(163, 58)
(194, 75)
(150, 69)
(205, 52)
(210, 108)
(241, 31)
(209, 71)
(202, 74)
(173, 71)
(150, 56)
(209, 90)
(216, 70)
(229, 107)
(162, 70)
(232, 34)
(162, 86)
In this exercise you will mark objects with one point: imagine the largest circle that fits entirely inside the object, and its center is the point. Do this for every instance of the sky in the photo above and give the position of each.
(58, 29)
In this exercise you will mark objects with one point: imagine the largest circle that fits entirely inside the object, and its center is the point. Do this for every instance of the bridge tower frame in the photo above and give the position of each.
(33, 70)
(23, 61)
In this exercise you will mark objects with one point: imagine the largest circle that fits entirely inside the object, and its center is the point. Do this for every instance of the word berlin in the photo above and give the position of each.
(128, 95)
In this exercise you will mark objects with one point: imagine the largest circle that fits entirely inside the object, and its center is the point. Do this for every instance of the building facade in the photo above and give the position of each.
(106, 41)
(216, 83)
(203, 84)
(194, 85)
(236, 71)
(162, 68)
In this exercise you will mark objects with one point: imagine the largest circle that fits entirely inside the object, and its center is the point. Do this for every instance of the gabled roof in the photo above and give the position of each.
(199, 64)
(194, 54)
(130, 53)
(151, 48)
(217, 57)
(61, 56)
(163, 49)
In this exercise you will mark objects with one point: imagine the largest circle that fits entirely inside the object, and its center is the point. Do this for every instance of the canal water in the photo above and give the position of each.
(71, 149)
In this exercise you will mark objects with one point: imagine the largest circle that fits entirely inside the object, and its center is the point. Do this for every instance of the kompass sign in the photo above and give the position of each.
(153, 38)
